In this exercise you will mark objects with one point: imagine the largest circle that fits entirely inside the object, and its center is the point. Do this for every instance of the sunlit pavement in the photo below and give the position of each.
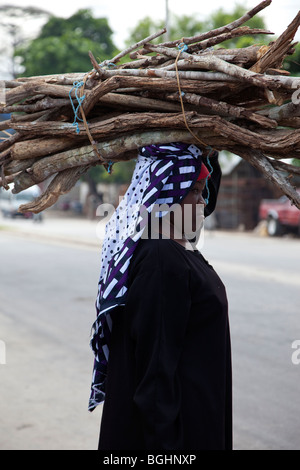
(56, 226)
(49, 273)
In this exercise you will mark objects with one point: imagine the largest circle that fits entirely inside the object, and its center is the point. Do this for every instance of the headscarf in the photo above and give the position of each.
(163, 174)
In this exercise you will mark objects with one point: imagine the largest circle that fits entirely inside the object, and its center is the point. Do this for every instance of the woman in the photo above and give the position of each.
(161, 338)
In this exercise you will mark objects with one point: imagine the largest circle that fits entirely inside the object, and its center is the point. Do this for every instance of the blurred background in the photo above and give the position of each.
(49, 264)
(40, 41)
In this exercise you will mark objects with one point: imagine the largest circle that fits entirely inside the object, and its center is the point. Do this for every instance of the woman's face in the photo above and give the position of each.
(192, 207)
(186, 219)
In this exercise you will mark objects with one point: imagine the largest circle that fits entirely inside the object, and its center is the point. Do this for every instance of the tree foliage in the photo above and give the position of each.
(121, 172)
(63, 44)
(185, 25)
(84, 25)
(292, 63)
(179, 26)
(222, 17)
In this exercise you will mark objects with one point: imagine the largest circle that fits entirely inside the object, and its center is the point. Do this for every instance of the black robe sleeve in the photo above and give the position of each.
(159, 304)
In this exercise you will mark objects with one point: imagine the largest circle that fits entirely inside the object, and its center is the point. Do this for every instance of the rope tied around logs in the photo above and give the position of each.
(79, 86)
(182, 48)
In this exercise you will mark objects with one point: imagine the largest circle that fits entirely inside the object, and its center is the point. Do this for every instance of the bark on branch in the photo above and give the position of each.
(240, 100)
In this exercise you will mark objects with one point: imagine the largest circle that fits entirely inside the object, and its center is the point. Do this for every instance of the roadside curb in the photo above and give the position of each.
(55, 238)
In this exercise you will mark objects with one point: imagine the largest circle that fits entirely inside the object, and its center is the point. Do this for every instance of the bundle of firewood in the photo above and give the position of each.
(192, 90)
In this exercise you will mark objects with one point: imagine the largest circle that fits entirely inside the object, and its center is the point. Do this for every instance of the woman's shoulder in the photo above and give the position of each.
(160, 253)
(159, 246)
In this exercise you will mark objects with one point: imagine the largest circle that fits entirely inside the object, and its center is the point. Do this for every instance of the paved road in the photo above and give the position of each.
(47, 299)
(263, 285)
(47, 295)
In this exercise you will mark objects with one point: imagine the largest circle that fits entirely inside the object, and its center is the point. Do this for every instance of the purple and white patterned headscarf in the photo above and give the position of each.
(163, 174)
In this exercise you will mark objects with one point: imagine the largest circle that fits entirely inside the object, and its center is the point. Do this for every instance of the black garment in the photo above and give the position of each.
(169, 373)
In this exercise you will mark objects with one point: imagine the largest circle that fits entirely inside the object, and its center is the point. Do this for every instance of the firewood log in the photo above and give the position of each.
(240, 100)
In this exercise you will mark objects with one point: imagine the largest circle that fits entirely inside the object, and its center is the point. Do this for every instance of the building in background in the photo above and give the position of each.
(242, 189)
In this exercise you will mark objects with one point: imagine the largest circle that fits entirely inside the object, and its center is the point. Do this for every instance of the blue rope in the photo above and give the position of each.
(182, 47)
(110, 164)
(210, 173)
(109, 65)
(76, 86)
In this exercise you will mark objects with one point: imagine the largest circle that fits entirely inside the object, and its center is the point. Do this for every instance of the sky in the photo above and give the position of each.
(124, 15)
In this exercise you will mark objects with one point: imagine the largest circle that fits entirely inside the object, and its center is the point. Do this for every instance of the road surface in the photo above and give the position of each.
(47, 296)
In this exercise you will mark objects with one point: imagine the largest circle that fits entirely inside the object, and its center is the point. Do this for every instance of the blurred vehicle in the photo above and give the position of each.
(281, 216)
(10, 203)
(63, 205)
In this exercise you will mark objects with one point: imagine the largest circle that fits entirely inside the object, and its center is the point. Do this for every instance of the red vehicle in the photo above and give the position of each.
(281, 216)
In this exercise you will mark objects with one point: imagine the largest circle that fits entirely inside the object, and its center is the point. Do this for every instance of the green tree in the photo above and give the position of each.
(143, 29)
(179, 26)
(121, 172)
(63, 45)
(296, 162)
(84, 25)
(185, 25)
(58, 54)
(221, 17)
(292, 63)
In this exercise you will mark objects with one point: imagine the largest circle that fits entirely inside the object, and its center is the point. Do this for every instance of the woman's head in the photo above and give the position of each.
(193, 204)
(186, 218)
(192, 207)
